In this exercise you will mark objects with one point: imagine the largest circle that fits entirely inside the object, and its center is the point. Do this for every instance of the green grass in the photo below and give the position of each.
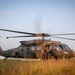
(44, 67)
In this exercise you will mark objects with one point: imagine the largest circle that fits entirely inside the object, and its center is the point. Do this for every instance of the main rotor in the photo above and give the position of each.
(43, 35)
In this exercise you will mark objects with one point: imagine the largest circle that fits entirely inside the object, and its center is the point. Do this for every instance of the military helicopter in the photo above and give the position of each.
(36, 48)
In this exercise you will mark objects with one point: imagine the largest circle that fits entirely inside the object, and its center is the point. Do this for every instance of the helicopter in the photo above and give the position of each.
(36, 48)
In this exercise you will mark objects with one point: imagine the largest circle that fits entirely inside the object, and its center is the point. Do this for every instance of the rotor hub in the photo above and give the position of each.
(43, 35)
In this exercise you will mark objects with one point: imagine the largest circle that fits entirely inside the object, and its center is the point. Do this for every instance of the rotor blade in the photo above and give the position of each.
(17, 31)
(64, 34)
(18, 36)
(38, 23)
(63, 38)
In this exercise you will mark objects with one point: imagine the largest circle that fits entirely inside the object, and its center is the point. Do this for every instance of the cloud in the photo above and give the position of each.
(7, 13)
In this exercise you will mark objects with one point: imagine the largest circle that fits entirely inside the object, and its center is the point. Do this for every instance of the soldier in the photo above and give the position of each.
(45, 52)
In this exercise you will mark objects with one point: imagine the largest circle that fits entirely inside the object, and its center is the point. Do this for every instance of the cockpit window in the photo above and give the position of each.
(67, 47)
(61, 47)
(56, 47)
(64, 47)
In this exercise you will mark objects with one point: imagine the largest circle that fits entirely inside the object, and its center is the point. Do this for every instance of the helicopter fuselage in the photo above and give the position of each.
(33, 49)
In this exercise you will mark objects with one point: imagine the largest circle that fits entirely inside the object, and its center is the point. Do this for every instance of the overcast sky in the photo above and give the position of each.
(54, 16)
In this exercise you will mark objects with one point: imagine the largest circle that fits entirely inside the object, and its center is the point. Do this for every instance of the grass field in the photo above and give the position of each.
(43, 67)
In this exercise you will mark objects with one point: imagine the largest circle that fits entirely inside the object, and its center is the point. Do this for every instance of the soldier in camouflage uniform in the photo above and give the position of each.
(45, 52)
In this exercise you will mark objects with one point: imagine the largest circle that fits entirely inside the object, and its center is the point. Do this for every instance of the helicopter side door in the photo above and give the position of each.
(56, 52)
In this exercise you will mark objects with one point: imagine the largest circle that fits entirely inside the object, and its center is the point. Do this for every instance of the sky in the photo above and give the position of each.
(49, 16)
